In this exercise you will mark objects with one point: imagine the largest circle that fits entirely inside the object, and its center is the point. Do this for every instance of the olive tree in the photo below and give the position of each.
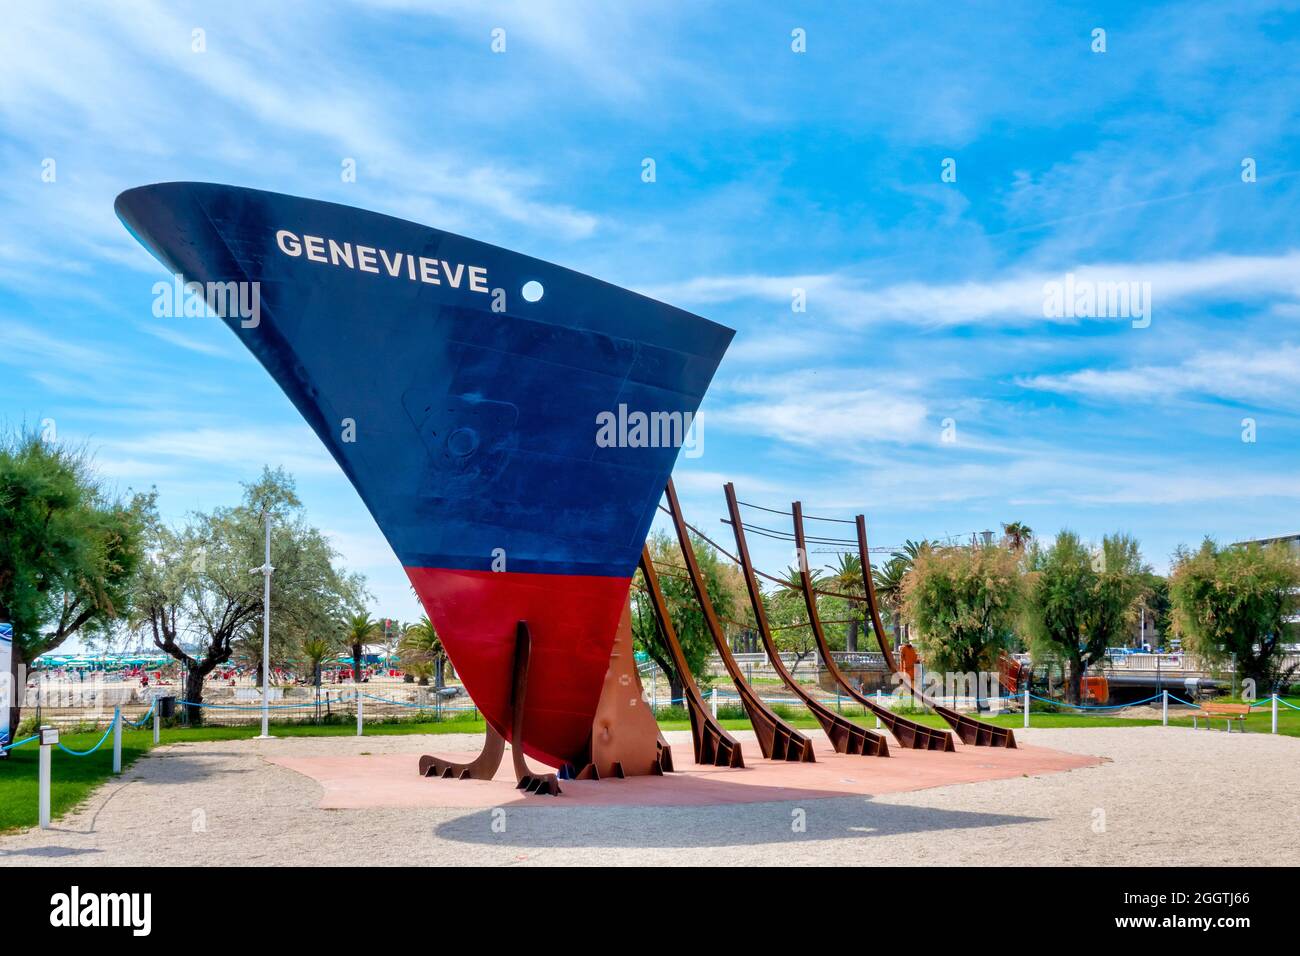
(963, 602)
(683, 607)
(1081, 600)
(1234, 602)
(68, 551)
(195, 595)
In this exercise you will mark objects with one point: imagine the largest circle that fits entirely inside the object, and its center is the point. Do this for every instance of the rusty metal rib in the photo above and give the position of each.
(975, 733)
(776, 738)
(712, 743)
(845, 736)
(908, 733)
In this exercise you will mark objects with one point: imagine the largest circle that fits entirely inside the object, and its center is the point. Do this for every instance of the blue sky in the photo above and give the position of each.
(775, 171)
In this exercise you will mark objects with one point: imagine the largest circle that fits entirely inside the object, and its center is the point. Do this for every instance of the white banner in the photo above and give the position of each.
(6, 682)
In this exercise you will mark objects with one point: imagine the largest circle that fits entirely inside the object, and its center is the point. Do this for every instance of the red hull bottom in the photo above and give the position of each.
(572, 619)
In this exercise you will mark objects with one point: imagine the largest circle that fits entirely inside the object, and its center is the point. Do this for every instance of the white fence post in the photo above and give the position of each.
(714, 698)
(360, 718)
(878, 704)
(157, 723)
(117, 741)
(1026, 706)
(1164, 708)
(44, 785)
(1274, 712)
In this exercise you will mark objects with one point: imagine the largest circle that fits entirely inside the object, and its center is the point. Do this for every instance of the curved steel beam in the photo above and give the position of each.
(712, 743)
(543, 783)
(776, 738)
(486, 764)
(908, 733)
(975, 733)
(845, 736)
(482, 767)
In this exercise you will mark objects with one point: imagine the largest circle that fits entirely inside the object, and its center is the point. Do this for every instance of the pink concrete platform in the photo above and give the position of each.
(392, 780)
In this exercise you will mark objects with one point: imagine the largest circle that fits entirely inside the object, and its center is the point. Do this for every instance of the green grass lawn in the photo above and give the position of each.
(73, 778)
(1260, 720)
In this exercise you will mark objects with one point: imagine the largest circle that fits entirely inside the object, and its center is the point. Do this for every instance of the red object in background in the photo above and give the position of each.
(907, 657)
(1095, 688)
(572, 619)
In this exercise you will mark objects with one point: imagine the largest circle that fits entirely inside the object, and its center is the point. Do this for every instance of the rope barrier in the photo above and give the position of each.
(403, 703)
(25, 740)
(257, 707)
(147, 714)
(1061, 703)
(87, 753)
(309, 704)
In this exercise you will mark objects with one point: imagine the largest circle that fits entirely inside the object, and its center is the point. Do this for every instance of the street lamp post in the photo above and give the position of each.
(266, 570)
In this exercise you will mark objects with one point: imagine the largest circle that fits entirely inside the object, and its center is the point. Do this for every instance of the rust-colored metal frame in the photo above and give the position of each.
(776, 738)
(712, 743)
(845, 736)
(486, 764)
(482, 767)
(908, 733)
(975, 733)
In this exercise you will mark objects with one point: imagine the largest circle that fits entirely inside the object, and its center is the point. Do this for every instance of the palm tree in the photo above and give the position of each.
(316, 649)
(789, 610)
(888, 580)
(1017, 534)
(846, 577)
(794, 580)
(357, 631)
(421, 652)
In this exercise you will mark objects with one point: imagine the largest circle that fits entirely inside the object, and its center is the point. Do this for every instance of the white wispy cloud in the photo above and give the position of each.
(1016, 299)
(244, 449)
(819, 409)
(53, 68)
(1248, 375)
(188, 342)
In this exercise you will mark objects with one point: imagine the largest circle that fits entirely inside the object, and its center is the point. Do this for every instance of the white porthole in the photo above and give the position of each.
(532, 290)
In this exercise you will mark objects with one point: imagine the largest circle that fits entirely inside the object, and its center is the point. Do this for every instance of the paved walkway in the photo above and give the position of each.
(1167, 796)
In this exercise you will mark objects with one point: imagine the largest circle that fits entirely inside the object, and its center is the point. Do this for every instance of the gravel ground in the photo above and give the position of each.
(1168, 796)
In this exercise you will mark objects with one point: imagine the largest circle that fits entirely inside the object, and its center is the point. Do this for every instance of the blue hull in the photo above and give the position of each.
(474, 430)
(466, 416)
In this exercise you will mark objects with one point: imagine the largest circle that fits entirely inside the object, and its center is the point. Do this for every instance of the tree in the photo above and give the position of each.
(964, 603)
(196, 598)
(68, 551)
(358, 628)
(888, 581)
(683, 608)
(1235, 601)
(787, 614)
(315, 649)
(421, 652)
(1081, 601)
(846, 577)
(1017, 535)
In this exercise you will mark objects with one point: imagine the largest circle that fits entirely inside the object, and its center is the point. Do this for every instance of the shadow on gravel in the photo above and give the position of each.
(48, 852)
(190, 767)
(709, 826)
